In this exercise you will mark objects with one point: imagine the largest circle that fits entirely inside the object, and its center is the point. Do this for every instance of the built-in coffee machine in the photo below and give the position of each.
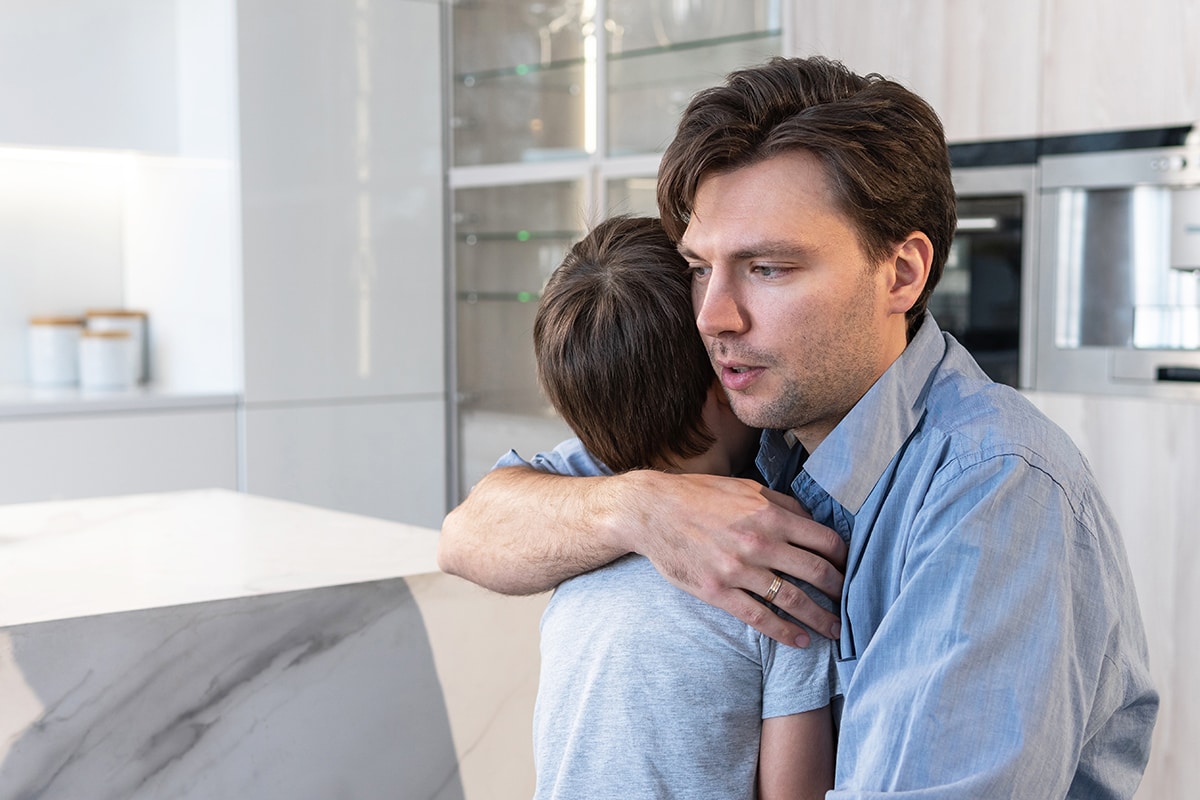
(1118, 299)
(1076, 264)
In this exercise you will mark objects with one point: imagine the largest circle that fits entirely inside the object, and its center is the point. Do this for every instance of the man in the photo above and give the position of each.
(989, 642)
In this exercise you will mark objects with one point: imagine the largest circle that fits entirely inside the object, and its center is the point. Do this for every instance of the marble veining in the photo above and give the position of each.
(292, 695)
(214, 644)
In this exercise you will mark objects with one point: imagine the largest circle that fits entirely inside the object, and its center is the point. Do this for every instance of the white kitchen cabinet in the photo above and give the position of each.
(94, 454)
(974, 61)
(1144, 454)
(1107, 64)
(381, 458)
(341, 191)
(126, 98)
(343, 283)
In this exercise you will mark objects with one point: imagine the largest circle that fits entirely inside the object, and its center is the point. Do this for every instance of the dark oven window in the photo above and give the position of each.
(978, 299)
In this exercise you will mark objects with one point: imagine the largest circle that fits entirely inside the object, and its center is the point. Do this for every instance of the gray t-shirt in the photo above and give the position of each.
(646, 691)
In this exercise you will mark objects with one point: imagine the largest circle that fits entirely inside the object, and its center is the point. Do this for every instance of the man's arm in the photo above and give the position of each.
(988, 674)
(521, 531)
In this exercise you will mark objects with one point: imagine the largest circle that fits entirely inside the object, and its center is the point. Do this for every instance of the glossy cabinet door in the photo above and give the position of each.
(68, 456)
(382, 458)
(343, 267)
(342, 174)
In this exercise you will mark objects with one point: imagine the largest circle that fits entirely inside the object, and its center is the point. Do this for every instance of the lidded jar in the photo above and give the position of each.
(134, 323)
(104, 360)
(54, 350)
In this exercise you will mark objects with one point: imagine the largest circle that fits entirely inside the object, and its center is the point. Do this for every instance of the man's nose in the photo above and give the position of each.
(718, 310)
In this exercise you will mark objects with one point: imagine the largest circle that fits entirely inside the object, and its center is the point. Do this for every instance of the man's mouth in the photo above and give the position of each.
(739, 377)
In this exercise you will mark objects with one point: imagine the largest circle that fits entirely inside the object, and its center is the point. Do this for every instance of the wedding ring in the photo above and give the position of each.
(774, 590)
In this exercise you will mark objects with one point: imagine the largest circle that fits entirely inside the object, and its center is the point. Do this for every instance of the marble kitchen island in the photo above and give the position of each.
(212, 644)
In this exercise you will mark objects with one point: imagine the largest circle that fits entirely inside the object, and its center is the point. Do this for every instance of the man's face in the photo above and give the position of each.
(798, 323)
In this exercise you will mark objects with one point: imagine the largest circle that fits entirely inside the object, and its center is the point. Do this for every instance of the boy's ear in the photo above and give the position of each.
(910, 267)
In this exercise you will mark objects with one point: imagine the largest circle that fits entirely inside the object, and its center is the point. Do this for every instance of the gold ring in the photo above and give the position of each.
(774, 590)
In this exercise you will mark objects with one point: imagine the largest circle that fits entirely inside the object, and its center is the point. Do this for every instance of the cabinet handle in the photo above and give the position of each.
(1191, 374)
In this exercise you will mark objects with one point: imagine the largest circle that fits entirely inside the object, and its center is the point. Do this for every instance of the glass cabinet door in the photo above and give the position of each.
(508, 239)
(518, 82)
(632, 195)
(659, 54)
(542, 89)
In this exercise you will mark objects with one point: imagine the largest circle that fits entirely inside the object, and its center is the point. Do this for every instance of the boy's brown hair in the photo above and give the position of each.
(618, 353)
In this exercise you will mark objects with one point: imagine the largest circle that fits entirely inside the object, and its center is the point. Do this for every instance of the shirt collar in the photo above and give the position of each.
(850, 461)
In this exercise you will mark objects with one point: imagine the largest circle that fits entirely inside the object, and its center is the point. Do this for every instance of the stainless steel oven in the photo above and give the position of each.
(985, 297)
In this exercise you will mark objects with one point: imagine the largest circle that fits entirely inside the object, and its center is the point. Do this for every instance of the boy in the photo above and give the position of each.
(645, 691)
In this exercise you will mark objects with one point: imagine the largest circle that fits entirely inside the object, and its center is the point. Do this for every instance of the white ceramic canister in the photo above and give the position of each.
(132, 322)
(104, 361)
(54, 350)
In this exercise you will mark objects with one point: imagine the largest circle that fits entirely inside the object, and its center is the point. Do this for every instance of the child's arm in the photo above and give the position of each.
(796, 756)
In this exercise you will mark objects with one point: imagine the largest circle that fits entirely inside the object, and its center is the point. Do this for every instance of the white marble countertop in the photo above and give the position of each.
(74, 558)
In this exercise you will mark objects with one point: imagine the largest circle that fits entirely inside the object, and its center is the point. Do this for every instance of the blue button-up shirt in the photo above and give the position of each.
(991, 640)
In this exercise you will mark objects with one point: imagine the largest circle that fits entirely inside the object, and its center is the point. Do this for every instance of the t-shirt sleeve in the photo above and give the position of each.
(797, 679)
(568, 458)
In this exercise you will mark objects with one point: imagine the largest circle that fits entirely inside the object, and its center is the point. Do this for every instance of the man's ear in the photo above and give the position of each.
(910, 271)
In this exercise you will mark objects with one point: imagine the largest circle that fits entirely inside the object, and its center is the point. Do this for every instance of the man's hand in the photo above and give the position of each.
(721, 539)
(522, 531)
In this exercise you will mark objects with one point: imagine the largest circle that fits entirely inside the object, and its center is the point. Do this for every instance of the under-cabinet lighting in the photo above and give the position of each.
(978, 224)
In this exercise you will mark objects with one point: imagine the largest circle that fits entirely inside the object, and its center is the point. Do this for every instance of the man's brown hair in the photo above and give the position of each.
(618, 354)
(882, 147)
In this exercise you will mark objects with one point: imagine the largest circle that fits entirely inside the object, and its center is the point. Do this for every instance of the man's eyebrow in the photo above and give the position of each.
(767, 248)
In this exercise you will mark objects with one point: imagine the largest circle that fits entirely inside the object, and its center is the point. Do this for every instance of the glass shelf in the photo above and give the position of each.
(475, 237)
(552, 73)
(724, 41)
(499, 297)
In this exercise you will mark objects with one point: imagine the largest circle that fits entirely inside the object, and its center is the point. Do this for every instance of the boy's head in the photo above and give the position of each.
(618, 354)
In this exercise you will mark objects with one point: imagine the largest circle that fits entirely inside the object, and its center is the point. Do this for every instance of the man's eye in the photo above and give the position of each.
(767, 270)
(699, 270)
